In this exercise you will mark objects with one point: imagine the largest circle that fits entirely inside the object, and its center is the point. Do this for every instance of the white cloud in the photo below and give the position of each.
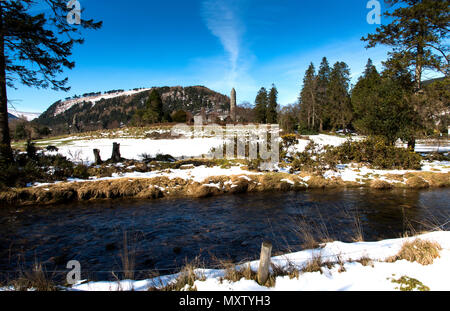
(222, 20)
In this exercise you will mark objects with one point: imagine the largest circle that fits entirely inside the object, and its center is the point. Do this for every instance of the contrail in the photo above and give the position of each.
(221, 19)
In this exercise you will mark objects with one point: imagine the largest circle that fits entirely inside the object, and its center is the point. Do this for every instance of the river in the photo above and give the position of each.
(165, 234)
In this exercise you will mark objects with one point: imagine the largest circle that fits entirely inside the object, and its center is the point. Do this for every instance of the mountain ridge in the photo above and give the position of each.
(115, 108)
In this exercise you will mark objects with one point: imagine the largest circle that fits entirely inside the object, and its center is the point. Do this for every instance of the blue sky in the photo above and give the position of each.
(220, 44)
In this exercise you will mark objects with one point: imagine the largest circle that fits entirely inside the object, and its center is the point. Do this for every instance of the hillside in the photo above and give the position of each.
(23, 115)
(112, 109)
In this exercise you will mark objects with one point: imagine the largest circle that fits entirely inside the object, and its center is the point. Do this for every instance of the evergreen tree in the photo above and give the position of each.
(383, 107)
(154, 108)
(272, 115)
(307, 99)
(365, 93)
(323, 80)
(339, 107)
(418, 35)
(44, 41)
(261, 103)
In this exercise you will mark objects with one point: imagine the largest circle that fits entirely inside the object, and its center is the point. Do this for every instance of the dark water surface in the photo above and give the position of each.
(164, 234)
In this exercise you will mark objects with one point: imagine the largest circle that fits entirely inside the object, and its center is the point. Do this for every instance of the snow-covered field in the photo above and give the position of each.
(351, 276)
(82, 150)
(79, 148)
(349, 172)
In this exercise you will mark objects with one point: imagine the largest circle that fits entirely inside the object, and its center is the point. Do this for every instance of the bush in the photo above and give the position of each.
(309, 160)
(418, 250)
(81, 171)
(31, 149)
(37, 167)
(375, 152)
(287, 141)
(179, 116)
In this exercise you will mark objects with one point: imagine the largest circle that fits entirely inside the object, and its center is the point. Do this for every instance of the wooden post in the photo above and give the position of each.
(98, 160)
(115, 157)
(264, 262)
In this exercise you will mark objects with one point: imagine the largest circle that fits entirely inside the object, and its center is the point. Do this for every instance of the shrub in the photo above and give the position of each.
(179, 116)
(309, 160)
(373, 151)
(287, 141)
(421, 251)
(31, 149)
(81, 171)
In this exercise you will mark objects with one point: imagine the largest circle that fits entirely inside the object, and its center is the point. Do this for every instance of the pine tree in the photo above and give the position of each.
(383, 107)
(261, 103)
(272, 115)
(365, 93)
(154, 108)
(42, 40)
(418, 35)
(323, 80)
(339, 107)
(307, 98)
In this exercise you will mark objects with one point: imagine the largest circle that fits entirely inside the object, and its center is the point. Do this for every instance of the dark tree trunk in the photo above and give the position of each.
(98, 160)
(115, 157)
(412, 144)
(5, 139)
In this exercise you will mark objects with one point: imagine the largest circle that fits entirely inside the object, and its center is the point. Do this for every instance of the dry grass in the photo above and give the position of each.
(312, 233)
(36, 279)
(436, 179)
(128, 258)
(418, 250)
(289, 270)
(380, 184)
(341, 264)
(185, 279)
(234, 274)
(358, 227)
(365, 261)
(315, 264)
(417, 182)
(151, 188)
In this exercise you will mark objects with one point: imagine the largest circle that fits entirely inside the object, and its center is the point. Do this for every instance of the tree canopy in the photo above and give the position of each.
(35, 49)
(418, 35)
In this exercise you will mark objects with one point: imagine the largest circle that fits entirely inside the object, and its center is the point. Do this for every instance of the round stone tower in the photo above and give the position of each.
(233, 105)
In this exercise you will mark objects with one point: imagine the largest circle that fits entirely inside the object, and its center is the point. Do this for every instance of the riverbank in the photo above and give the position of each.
(199, 181)
(418, 263)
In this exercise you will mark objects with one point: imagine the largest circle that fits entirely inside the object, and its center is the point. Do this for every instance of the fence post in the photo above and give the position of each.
(264, 262)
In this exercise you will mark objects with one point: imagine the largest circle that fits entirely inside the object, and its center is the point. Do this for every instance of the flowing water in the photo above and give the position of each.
(164, 234)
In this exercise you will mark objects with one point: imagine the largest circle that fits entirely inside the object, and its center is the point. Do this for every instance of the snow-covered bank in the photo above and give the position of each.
(350, 275)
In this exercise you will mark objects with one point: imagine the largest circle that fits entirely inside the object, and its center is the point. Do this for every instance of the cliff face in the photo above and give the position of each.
(113, 109)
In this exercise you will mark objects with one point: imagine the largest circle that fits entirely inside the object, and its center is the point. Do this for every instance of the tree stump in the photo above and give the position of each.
(115, 157)
(98, 160)
(264, 262)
